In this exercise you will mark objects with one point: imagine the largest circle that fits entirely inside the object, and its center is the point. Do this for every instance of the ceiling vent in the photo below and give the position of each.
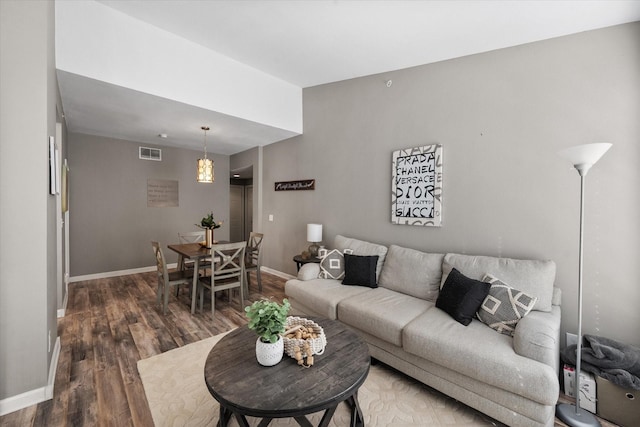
(146, 153)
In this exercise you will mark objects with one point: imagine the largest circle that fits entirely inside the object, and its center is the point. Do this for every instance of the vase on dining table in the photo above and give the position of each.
(208, 237)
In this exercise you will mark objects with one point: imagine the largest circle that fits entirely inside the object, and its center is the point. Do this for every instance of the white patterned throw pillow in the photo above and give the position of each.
(332, 263)
(503, 308)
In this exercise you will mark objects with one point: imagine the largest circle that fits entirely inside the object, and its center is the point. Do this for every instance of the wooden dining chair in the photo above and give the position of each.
(167, 279)
(192, 237)
(253, 258)
(227, 272)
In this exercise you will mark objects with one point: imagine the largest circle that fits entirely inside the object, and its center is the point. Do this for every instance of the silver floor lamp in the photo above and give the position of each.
(582, 157)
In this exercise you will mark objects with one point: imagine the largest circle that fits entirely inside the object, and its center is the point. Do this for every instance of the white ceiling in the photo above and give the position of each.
(309, 43)
(314, 42)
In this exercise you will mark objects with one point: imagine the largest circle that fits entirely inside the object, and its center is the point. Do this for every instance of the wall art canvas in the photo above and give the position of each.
(416, 188)
(162, 193)
(54, 167)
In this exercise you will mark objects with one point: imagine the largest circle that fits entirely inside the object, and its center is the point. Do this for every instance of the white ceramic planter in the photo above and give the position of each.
(269, 354)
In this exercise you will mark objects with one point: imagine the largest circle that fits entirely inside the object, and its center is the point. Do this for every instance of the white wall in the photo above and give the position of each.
(27, 214)
(96, 41)
(501, 118)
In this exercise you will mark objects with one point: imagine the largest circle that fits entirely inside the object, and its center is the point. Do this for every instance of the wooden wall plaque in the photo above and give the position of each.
(302, 184)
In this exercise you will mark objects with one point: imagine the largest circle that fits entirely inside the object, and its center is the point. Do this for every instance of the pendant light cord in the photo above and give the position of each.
(205, 129)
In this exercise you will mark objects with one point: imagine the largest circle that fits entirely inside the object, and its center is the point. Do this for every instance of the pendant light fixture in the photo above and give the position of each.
(205, 166)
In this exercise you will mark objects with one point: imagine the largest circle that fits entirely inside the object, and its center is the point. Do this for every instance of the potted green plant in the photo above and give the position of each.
(208, 223)
(267, 319)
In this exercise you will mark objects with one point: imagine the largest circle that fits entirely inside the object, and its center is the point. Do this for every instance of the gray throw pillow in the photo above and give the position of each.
(503, 308)
(332, 264)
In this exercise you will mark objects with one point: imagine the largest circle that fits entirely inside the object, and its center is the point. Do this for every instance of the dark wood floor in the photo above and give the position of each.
(109, 325)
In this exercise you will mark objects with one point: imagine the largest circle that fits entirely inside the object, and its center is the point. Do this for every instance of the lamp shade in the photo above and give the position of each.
(582, 157)
(314, 233)
(205, 170)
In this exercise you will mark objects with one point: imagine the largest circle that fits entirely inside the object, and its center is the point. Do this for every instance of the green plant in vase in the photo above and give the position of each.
(209, 222)
(267, 319)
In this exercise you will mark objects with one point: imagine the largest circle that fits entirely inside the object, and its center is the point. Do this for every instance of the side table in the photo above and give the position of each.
(301, 261)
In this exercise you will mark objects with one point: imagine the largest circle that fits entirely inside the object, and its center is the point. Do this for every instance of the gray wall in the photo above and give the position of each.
(501, 118)
(111, 226)
(27, 215)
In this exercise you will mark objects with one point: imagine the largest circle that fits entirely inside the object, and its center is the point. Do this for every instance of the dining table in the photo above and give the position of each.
(197, 253)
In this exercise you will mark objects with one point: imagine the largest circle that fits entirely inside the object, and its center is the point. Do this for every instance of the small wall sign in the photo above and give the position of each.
(303, 184)
(416, 189)
(162, 193)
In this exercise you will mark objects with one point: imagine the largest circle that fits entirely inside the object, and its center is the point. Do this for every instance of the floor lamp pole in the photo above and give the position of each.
(580, 259)
(570, 414)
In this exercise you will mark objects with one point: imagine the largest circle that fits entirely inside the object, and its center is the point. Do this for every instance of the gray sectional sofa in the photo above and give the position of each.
(513, 379)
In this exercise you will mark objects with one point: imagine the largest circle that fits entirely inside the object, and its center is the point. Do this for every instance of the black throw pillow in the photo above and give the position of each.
(461, 296)
(360, 270)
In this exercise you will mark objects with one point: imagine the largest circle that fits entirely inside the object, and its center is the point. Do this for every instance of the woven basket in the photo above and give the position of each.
(316, 345)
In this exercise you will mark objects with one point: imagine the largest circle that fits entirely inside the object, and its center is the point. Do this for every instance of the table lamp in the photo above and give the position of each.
(582, 157)
(314, 236)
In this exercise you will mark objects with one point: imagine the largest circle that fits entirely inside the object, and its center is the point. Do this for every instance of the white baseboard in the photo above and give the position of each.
(108, 274)
(63, 310)
(277, 273)
(53, 368)
(33, 397)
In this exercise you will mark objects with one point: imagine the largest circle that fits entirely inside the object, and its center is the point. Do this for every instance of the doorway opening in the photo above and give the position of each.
(241, 204)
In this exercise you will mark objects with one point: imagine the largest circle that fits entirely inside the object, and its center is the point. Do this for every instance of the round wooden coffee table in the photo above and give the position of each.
(245, 388)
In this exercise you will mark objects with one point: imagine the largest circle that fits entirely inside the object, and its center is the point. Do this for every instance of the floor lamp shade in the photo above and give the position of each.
(314, 236)
(582, 157)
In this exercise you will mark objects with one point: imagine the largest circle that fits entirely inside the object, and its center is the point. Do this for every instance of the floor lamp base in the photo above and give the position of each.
(566, 412)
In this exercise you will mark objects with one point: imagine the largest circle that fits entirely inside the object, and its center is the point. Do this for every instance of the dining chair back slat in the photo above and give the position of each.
(254, 258)
(167, 279)
(227, 272)
(192, 237)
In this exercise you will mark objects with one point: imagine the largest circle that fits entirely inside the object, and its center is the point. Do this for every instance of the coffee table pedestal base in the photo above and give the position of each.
(357, 419)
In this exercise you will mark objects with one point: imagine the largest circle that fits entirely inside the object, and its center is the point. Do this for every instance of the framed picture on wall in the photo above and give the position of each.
(54, 167)
(416, 188)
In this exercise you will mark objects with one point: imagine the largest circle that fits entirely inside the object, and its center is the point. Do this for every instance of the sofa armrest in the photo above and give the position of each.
(537, 336)
(309, 271)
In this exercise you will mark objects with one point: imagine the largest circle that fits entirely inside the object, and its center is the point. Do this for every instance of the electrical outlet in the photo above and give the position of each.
(572, 339)
(270, 217)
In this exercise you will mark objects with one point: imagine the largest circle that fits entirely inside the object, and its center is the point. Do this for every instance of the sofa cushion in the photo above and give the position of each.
(537, 337)
(323, 295)
(536, 278)
(477, 352)
(360, 247)
(461, 296)
(503, 308)
(381, 312)
(360, 270)
(412, 272)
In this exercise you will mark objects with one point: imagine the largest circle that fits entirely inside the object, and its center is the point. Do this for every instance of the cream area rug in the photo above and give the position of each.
(178, 396)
